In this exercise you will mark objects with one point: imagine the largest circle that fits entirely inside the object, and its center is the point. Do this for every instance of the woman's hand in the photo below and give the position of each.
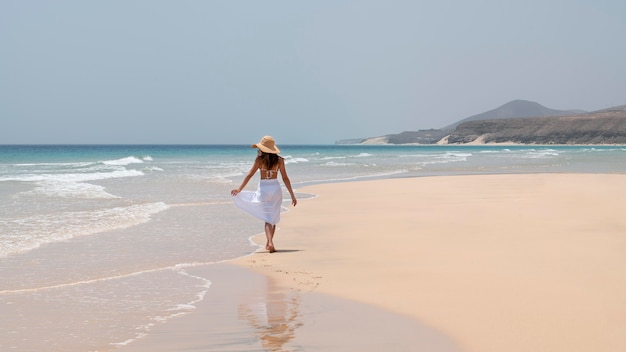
(234, 192)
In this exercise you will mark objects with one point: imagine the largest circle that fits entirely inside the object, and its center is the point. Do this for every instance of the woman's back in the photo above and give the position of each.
(269, 165)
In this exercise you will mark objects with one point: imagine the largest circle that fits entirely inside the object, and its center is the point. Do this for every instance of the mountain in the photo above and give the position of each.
(513, 109)
(600, 127)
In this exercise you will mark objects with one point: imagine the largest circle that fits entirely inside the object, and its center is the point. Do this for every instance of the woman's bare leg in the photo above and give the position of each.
(269, 234)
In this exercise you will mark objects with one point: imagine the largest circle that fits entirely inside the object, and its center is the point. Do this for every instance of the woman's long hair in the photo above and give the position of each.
(268, 159)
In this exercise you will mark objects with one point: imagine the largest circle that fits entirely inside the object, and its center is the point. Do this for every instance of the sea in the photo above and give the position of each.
(93, 227)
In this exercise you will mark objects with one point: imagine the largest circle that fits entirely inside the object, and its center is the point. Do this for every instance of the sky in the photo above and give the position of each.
(305, 72)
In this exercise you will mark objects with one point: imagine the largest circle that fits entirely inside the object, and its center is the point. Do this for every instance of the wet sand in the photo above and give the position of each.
(248, 311)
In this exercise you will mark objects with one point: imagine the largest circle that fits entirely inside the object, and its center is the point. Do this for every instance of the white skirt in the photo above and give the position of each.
(265, 203)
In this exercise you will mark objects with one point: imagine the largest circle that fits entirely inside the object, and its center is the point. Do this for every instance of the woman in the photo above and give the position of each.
(266, 202)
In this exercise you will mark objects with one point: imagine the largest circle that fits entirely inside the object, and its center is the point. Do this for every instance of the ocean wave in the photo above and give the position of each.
(334, 158)
(415, 155)
(73, 177)
(455, 155)
(71, 185)
(125, 161)
(360, 155)
(505, 150)
(24, 234)
(448, 157)
(540, 154)
(601, 150)
(73, 164)
(85, 164)
(70, 190)
(334, 163)
(291, 160)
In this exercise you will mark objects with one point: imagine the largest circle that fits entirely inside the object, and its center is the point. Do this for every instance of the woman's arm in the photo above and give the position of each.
(246, 179)
(283, 172)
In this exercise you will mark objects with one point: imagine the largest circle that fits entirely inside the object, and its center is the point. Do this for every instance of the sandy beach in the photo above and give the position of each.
(495, 262)
(454, 263)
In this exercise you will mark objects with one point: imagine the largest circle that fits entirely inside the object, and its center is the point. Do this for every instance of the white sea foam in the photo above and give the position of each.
(540, 154)
(176, 311)
(334, 158)
(125, 161)
(75, 164)
(448, 157)
(72, 185)
(73, 177)
(361, 155)
(494, 151)
(152, 168)
(415, 155)
(334, 163)
(70, 190)
(456, 155)
(27, 233)
(291, 160)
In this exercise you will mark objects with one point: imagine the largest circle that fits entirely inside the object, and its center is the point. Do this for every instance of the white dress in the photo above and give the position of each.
(265, 203)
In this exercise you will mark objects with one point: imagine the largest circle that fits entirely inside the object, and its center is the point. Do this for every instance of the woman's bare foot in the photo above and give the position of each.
(271, 249)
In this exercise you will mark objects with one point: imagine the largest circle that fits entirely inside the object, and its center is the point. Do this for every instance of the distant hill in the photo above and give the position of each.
(601, 127)
(513, 109)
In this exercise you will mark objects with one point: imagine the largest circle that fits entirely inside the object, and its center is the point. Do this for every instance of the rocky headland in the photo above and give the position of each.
(520, 122)
(603, 127)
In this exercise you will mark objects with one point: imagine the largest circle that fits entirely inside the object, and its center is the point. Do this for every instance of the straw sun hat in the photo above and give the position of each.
(267, 145)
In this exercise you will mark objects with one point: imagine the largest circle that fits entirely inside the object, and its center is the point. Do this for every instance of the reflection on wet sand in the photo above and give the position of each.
(274, 314)
(244, 311)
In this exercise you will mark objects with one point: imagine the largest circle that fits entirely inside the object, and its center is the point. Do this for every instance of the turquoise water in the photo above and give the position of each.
(75, 220)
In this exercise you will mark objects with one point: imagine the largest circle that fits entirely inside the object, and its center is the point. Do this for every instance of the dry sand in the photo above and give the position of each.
(494, 262)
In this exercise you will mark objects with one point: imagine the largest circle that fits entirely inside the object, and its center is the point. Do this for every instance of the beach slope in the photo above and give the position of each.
(495, 262)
